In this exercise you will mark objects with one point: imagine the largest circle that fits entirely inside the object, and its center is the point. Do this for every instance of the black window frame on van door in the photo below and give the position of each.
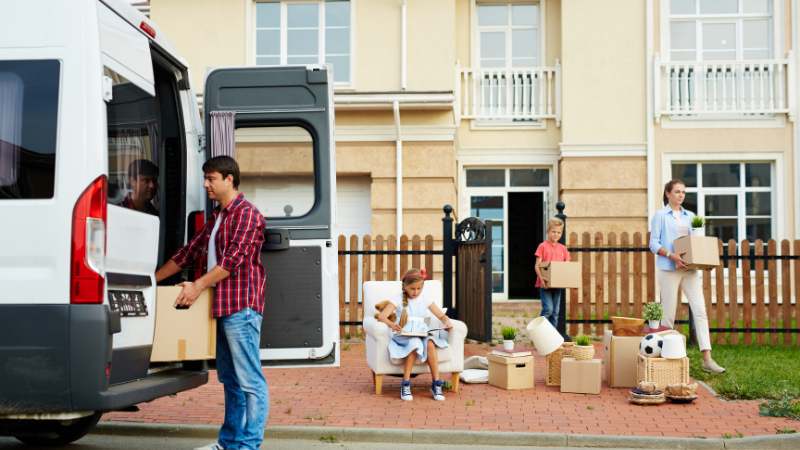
(285, 96)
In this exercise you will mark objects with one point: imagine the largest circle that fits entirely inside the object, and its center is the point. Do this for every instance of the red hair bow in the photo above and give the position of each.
(422, 272)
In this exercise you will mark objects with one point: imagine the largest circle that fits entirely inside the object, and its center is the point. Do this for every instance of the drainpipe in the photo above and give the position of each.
(795, 52)
(650, 115)
(399, 163)
(402, 58)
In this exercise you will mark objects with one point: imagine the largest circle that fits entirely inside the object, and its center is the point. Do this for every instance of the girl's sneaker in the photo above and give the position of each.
(436, 390)
(405, 391)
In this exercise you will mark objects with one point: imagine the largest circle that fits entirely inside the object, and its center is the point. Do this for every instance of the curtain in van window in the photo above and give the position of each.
(223, 129)
(11, 94)
(152, 131)
(127, 148)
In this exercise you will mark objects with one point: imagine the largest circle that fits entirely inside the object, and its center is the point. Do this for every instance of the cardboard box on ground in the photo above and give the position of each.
(184, 334)
(621, 357)
(702, 252)
(562, 274)
(581, 377)
(510, 373)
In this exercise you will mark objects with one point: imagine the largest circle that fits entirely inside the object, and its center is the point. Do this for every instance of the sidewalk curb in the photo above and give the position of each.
(453, 437)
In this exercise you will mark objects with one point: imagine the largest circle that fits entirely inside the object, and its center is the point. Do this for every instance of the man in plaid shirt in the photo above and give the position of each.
(228, 249)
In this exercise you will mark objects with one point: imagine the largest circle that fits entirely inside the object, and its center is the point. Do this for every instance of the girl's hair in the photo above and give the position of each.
(668, 188)
(410, 277)
(554, 222)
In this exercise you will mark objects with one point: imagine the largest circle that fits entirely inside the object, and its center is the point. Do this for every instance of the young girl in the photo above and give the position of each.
(550, 250)
(411, 306)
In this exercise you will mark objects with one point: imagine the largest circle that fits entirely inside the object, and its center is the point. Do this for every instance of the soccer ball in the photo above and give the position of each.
(651, 345)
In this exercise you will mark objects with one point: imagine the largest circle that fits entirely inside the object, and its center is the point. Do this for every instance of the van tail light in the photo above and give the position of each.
(148, 29)
(88, 256)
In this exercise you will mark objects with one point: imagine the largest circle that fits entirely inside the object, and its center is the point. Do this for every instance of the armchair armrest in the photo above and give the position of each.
(369, 325)
(458, 333)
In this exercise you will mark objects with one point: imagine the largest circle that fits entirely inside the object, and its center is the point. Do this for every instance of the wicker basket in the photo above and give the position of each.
(583, 353)
(663, 371)
(553, 372)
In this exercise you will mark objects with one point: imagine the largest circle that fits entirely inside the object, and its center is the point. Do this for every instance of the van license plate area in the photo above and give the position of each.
(128, 303)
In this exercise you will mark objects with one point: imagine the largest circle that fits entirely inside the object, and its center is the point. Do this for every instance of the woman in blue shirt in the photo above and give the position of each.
(669, 224)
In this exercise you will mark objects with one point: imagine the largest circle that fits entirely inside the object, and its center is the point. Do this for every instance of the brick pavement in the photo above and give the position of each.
(345, 397)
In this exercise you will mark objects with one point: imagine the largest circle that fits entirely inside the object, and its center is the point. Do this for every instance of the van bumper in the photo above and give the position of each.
(54, 358)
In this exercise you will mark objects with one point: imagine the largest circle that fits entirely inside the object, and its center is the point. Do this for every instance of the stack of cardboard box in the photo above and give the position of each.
(511, 372)
(621, 358)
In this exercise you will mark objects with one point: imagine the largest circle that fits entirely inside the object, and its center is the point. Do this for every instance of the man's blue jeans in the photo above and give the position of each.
(551, 303)
(239, 370)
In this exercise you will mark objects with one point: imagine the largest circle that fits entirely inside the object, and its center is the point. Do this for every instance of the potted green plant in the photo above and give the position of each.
(653, 313)
(698, 226)
(509, 335)
(582, 349)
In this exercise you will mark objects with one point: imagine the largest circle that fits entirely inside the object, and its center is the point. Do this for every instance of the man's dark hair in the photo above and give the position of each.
(142, 167)
(225, 165)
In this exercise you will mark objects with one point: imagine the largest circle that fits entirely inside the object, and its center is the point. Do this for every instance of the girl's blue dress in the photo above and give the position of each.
(402, 346)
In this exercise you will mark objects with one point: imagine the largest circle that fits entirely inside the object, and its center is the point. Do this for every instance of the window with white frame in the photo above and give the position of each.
(508, 39)
(721, 30)
(305, 32)
(508, 35)
(735, 198)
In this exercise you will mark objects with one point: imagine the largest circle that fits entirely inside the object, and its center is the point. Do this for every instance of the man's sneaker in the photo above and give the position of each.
(712, 366)
(405, 391)
(436, 390)
(213, 446)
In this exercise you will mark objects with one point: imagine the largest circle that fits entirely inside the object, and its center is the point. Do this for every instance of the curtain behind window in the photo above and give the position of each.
(12, 90)
(223, 128)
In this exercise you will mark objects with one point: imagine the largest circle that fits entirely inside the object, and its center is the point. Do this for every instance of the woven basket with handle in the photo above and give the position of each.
(553, 375)
(583, 353)
(662, 371)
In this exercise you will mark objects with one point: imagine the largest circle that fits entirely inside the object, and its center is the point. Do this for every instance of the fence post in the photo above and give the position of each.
(447, 263)
(562, 317)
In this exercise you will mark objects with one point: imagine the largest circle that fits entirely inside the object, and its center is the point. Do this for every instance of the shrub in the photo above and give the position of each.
(698, 222)
(653, 311)
(582, 340)
(509, 333)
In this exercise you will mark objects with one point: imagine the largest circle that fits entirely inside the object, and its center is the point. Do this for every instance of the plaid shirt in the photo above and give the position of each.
(238, 246)
(128, 203)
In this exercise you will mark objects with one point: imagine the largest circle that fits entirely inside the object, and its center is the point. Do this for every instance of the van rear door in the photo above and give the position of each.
(283, 120)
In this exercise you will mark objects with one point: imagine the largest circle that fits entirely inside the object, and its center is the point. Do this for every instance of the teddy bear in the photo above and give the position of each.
(381, 306)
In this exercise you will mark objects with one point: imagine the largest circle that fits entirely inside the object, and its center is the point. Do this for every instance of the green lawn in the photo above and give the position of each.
(753, 371)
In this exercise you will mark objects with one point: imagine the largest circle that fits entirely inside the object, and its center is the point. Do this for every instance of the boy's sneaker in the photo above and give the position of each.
(436, 390)
(405, 391)
(213, 446)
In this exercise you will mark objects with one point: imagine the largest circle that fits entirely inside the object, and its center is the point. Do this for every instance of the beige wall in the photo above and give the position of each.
(604, 72)
(207, 33)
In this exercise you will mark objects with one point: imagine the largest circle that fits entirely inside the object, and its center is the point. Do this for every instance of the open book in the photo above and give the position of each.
(417, 333)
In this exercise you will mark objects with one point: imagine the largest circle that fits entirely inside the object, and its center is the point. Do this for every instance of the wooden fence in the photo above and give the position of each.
(378, 264)
(608, 275)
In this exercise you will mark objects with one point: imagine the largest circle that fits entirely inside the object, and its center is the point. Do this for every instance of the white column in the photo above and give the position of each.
(399, 162)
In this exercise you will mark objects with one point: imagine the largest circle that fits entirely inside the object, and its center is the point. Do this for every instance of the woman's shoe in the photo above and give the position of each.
(405, 391)
(712, 366)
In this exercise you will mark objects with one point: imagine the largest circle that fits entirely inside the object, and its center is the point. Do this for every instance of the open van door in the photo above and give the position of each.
(285, 150)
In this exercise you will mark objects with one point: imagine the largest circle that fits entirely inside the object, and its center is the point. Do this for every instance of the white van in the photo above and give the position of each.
(101, 148)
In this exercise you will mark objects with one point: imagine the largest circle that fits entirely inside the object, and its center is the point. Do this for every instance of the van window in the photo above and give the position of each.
(133, 147)
(28, 127)
(277, 169)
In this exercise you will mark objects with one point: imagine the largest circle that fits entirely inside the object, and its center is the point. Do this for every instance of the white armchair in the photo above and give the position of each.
(451, 360)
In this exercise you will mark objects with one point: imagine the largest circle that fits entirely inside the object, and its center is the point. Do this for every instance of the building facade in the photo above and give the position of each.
(503, 108)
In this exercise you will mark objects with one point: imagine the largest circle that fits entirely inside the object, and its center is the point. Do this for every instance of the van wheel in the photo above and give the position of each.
(63, 434)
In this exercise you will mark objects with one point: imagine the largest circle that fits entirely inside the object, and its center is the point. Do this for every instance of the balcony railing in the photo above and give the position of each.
(723, 88)
(510, 95)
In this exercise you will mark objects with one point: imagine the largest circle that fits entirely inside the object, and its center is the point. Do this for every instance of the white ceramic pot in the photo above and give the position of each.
(508, 345)
(653, 324)
(698, 231)
(544, 336)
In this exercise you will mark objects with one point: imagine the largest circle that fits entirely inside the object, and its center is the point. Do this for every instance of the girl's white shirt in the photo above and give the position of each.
(397, 300)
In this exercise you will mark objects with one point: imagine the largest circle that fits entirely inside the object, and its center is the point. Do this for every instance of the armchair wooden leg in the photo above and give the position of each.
(378, 384)
(454, 382)
(373, 376)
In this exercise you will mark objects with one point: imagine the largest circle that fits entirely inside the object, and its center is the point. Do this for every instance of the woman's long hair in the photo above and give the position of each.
(410, 277)
(668, 188)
